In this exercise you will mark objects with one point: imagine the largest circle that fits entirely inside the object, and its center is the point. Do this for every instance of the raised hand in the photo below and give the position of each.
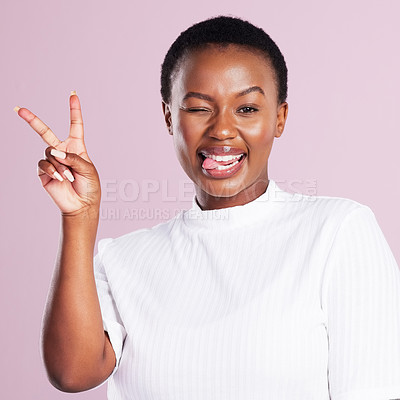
(67, 173)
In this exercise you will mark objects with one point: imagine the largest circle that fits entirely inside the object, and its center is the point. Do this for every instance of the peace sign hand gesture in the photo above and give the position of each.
(67, 174)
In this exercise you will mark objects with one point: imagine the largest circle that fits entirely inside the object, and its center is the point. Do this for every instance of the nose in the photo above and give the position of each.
(222, 127)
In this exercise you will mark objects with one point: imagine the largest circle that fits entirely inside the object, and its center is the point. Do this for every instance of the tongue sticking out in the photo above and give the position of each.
(209, 163)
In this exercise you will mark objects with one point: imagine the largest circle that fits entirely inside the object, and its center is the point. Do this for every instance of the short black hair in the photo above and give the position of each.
(223, 30)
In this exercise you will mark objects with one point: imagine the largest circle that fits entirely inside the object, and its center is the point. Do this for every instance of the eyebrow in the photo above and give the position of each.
(198, 95)
(206, 97)
(251, 89)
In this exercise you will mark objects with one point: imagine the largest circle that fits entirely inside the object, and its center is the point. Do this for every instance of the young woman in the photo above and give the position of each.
(250, 294)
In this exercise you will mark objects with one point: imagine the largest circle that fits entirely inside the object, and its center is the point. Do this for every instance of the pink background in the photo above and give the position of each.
(341, 139)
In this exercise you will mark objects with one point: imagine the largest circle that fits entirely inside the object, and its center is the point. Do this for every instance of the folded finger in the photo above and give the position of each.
(46, 167)
(62, 169)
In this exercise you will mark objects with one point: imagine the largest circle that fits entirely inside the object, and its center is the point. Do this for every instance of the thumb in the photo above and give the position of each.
(77, 163)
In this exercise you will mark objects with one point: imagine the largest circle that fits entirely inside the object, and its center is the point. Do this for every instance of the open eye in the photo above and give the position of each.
(247, 110)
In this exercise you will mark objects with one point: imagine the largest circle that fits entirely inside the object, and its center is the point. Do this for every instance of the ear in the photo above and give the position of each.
(167, 116)
(283, 109)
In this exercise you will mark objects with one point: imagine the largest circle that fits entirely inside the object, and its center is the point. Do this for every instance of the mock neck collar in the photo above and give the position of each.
(235, 216)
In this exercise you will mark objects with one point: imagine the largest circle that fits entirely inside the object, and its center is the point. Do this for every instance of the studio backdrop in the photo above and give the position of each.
(341, 138)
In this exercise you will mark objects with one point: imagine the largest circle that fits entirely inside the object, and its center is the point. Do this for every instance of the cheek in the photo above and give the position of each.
(260, 135)
(186, 135)
(185, 148)
(183, 139)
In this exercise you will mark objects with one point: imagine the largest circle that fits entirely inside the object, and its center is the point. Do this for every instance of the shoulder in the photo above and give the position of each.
(323, 206)
(324, 212)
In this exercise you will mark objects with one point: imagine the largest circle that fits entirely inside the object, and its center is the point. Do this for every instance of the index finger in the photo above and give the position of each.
(39, 126)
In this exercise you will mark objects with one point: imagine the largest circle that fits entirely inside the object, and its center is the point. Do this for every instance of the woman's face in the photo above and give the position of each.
(224, 103)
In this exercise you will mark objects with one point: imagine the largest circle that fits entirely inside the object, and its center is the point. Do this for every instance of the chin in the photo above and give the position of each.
(221, 188)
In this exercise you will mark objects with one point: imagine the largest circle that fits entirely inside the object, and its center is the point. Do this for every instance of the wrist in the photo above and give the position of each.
(80, 228)
(87, 213)
(86, 220)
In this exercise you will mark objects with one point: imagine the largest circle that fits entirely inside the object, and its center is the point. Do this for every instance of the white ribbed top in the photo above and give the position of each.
(288, 297)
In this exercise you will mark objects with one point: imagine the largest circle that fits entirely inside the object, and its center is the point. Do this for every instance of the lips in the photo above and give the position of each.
(221, 161)
(222, 150)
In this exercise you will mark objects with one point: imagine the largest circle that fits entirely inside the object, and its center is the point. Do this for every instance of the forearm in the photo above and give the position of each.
(74, 345)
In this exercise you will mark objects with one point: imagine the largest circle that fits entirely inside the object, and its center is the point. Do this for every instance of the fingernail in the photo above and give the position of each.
(73, 92)
(69, 175)
(58, 176)
(16, 109)
(57, 153)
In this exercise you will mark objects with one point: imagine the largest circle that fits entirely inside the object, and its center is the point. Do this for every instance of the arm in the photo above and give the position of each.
(76, 351)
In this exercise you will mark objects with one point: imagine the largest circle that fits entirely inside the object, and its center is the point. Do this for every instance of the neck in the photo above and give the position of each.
(207, 201)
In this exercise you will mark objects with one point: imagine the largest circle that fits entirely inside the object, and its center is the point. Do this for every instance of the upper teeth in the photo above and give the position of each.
(223, 158)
